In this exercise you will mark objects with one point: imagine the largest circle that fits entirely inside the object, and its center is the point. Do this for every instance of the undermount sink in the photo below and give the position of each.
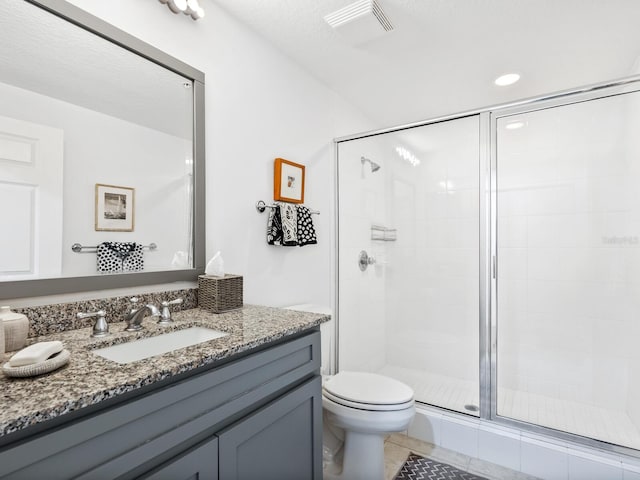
(136, 350)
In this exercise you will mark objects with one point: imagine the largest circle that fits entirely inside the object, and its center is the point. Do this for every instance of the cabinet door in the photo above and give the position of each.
(281, 441)
(198, 463)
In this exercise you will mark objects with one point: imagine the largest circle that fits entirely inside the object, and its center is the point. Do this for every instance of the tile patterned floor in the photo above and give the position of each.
(398, 446)
(612, 426)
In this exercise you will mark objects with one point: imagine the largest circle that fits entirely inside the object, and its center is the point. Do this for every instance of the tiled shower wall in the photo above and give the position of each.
(362, 295)
(416, 308)
(433, 278)
(633, 150)
(569, 254)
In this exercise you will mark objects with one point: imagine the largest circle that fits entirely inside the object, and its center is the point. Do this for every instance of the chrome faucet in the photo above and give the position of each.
(134, 319)
(165, 317)
(101, 327)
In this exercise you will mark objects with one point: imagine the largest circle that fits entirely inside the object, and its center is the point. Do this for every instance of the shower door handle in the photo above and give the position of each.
(494, 267)
(364, 260)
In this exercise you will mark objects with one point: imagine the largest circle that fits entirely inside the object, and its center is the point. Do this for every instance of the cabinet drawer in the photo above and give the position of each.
(109, 443)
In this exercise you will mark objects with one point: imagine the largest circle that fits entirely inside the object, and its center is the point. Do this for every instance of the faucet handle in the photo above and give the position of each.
(165, 316)
(101, 327)
(177, 301)
(134, 304)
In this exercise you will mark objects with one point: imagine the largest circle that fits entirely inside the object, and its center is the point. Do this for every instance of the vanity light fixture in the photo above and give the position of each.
(188, 7)
(507, 79)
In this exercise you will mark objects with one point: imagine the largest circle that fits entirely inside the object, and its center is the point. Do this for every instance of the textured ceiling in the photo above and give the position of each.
(45, 54)
(443, 55)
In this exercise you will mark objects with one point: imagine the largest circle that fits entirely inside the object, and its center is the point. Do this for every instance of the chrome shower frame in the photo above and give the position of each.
(488, 117)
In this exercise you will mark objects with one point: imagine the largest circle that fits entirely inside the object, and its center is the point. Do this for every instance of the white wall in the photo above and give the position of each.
(259, 106)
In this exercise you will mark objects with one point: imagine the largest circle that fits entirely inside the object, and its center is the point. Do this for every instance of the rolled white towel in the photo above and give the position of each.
(36, 353)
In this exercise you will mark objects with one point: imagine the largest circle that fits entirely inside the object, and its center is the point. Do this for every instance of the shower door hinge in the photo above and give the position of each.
(494, 266)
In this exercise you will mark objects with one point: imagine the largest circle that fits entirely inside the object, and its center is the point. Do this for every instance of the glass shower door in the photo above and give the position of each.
(568, 255)
(409, 200)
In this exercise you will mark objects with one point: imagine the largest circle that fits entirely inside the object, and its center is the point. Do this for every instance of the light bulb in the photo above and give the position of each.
(199, 13)
(192, 7)
(177, 6)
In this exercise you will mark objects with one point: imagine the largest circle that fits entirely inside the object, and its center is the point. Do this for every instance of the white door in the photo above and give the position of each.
(31, 168)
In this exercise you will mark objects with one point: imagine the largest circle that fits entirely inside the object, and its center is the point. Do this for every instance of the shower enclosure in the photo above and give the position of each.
(491, 261)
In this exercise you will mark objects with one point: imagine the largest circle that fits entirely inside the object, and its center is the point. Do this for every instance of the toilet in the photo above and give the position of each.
(359, 410)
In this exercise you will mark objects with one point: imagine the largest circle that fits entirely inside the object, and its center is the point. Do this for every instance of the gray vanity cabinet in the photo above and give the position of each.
(256, 417)
(278, 442)
(198, 463)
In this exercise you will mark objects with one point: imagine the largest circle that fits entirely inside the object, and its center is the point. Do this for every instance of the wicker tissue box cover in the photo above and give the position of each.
(220, 294)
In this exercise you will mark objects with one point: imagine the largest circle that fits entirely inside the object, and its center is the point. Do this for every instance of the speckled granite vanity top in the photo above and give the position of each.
(89, 379)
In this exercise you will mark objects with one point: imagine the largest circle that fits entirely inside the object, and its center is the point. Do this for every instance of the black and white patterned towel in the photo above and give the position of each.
(274, 227)
(306, 230)
(290, 225)
(289, 216)
(120, 257)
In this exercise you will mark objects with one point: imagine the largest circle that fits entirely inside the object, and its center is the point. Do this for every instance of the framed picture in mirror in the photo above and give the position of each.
(114, 208)
(288, 181)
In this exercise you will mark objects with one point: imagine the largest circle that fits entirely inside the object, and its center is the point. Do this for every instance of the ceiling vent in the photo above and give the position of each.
(361, 21)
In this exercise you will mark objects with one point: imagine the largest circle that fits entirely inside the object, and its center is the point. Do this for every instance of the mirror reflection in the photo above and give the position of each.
(96, 149)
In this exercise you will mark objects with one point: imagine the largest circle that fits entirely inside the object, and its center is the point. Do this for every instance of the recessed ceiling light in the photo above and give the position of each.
(514, 125)
(508, 79)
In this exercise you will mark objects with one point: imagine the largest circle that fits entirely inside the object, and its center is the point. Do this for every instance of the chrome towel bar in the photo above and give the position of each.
(76, 247)
(261, 206)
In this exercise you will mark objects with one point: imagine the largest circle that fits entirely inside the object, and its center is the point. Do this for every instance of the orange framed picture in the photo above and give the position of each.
(288, 181)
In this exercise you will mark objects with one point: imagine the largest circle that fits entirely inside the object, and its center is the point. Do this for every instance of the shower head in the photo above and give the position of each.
(374, 166)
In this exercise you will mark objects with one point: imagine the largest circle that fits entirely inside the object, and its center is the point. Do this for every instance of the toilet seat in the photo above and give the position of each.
(368, 391)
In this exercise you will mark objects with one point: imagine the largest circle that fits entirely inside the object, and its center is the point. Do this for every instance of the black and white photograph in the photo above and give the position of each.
(114, 208)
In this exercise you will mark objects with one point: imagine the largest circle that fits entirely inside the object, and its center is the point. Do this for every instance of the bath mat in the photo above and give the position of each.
(420, 468)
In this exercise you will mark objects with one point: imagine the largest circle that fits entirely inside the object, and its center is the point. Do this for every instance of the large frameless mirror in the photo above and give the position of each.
(101, 145)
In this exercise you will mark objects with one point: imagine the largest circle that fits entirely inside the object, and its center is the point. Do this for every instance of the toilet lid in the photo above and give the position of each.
(368, 388)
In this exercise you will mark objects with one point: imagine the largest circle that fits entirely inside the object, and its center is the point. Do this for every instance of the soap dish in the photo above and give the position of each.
(49, 365)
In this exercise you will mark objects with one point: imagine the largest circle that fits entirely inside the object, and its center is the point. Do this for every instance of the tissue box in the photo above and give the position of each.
(220, 294)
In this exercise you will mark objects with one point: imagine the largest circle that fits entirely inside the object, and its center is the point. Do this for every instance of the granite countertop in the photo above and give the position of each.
(89, 379)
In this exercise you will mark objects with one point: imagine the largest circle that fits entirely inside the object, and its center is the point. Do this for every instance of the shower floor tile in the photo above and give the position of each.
(611, 426)
(438, 390)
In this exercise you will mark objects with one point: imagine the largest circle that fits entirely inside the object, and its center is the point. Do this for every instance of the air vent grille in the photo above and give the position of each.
(357, 11)
(380, 15)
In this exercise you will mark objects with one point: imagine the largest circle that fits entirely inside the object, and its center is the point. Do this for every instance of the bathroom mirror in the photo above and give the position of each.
(101, 140)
